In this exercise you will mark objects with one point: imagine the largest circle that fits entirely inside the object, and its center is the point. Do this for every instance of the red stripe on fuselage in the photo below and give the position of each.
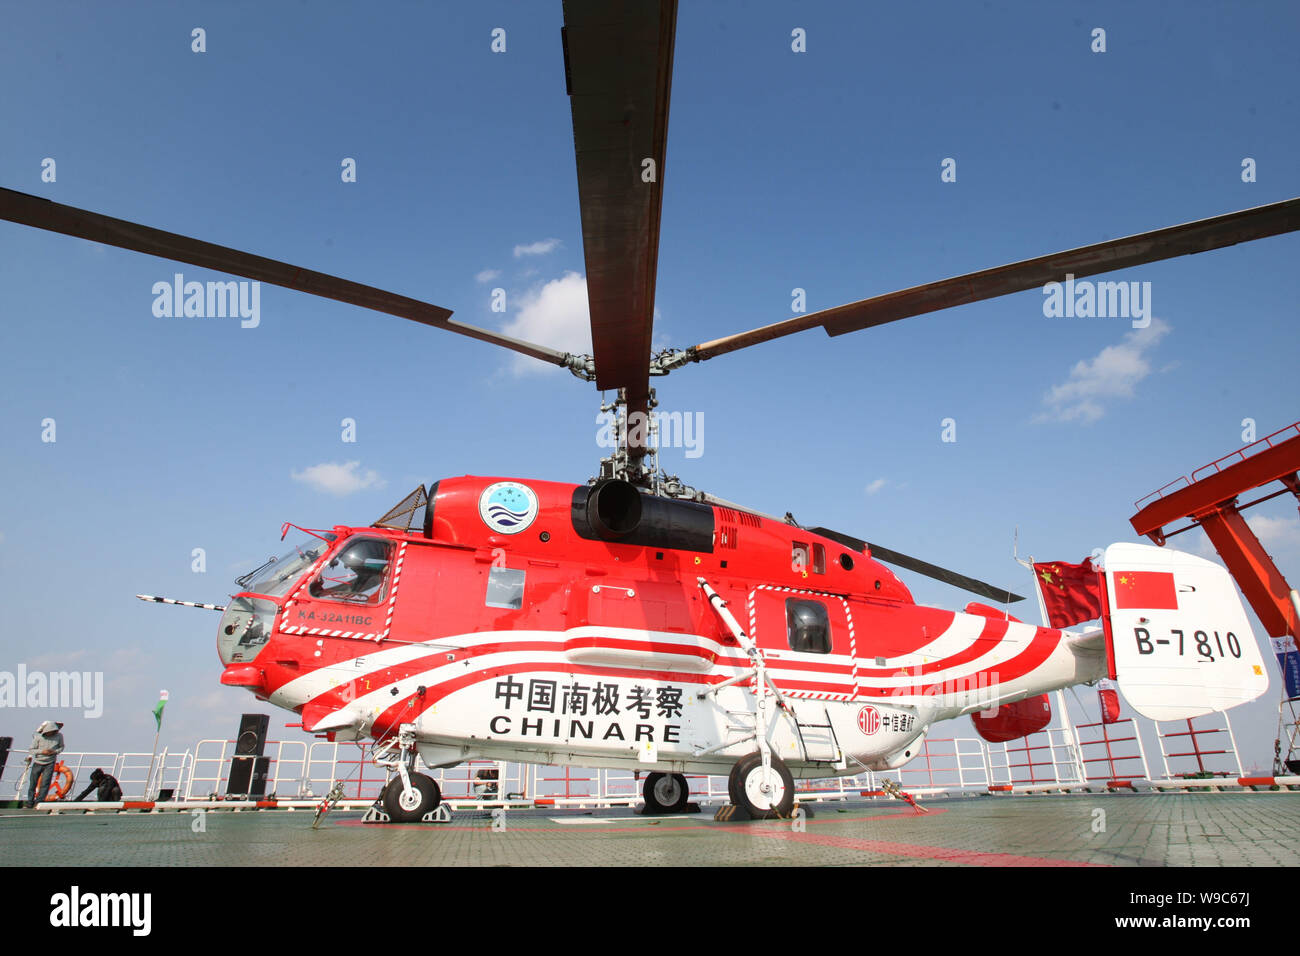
(1040, 648)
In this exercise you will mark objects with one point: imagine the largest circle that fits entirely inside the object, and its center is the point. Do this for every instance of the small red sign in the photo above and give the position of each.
(868, 720)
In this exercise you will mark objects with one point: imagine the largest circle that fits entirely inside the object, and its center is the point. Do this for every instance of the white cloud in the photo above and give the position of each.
(217, 700)
(60, 660)
(1275, 532)
(487, 275)
(540, 248)
(553, 314)
(875, 486)
(339, 479)
(1280, 536)
(1109, 376)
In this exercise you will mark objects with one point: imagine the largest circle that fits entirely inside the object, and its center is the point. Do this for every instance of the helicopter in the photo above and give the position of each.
(620, 601)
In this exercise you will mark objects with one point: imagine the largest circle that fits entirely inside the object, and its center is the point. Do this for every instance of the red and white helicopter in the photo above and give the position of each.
(635, 622)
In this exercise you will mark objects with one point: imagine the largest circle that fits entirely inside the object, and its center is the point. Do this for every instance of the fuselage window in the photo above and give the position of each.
(808, 627)
(505, 588)
(358, 574)
(819, 559)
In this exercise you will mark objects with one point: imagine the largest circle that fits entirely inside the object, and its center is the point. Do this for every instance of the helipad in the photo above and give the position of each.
(1182, 829)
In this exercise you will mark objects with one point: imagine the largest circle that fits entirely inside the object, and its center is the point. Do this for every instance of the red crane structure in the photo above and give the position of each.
(1209, 498)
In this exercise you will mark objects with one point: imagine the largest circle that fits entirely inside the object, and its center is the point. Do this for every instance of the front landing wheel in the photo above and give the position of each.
(762, 793)
(409, 806)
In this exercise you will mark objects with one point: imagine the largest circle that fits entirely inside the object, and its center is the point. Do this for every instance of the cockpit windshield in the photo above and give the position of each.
(277, 576)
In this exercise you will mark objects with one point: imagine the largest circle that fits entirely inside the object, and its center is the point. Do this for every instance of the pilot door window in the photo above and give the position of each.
(807, 626)
(505, 588)
(358, 574)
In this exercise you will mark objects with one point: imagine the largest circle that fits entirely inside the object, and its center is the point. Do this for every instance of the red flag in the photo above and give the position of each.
(1071, 592)
(1145, 590)
(1109, 697)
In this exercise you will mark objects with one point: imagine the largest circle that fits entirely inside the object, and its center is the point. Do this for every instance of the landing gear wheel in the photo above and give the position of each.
(762, 795)
(409, 807)
(665, 793)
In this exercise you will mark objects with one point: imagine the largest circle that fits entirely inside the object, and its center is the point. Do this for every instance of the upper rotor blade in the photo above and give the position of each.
(983, 589)
(618, 67)
(56, 217)
(1185, 239)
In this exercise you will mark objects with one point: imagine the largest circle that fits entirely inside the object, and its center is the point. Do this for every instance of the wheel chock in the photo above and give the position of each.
(645, 811)
(730, 813)
(439, 814)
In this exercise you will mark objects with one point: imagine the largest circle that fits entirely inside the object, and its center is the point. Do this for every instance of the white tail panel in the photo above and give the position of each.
(1183, 644)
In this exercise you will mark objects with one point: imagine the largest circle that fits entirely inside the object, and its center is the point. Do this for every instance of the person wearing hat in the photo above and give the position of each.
(47, 744)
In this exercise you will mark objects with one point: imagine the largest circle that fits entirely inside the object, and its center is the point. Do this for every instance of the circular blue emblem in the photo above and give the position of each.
(507, 507)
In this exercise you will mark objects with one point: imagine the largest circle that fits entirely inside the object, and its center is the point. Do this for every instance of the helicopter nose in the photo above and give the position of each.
(245, 675)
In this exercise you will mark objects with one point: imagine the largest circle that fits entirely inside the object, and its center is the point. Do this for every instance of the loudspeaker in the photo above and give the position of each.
(252, 735)
(5, 744)
(248, 768)
(248, 776)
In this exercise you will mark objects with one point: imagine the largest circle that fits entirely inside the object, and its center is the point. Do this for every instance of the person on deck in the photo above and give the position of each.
(47, 744)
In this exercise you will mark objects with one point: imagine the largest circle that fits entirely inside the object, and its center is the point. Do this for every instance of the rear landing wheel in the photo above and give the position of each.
(762, 793)
(405, 806)
(665, 793)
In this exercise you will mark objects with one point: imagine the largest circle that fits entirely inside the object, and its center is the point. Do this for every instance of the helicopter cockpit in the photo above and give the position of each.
(248, 621)
(279, 575)
(356, 574)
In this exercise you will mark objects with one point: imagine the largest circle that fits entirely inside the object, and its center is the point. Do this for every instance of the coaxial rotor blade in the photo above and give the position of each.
(897, 558)
(618, 61)
(906, 561)
(1192, 237)
(56, 217)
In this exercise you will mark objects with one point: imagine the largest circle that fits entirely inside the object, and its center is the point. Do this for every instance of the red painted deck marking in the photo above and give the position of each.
(918, 851)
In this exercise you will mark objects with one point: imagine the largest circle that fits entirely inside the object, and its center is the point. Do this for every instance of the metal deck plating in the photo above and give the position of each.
(1100, 830)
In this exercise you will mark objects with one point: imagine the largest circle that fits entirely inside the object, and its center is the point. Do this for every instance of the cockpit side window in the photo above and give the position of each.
(808, 627)
(357, 574)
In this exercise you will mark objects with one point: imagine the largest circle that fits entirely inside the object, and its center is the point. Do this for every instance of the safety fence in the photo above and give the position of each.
(1198, 754)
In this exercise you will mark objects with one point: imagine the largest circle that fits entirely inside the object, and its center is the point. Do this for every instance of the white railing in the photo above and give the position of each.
(1113, 751)
(1049, 758)
(1057, 758)
(1203, 746)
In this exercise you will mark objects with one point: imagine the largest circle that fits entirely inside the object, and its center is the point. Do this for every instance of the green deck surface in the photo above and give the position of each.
(1197, 829)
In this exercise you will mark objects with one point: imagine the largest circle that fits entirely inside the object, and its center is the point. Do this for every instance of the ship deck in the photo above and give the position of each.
(1093, 830)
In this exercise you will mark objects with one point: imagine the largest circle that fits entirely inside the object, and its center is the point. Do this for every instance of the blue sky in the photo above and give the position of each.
(818, 171)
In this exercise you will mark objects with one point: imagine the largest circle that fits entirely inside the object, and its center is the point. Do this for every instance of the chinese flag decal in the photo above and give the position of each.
(1146, 589)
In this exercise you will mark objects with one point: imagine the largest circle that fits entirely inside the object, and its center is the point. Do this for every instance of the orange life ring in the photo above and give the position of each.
(60, 782)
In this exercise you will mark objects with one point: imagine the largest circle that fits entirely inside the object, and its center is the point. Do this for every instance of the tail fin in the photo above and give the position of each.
(1181, 640)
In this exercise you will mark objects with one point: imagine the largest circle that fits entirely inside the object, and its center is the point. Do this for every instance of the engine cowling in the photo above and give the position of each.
(1012, 721)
